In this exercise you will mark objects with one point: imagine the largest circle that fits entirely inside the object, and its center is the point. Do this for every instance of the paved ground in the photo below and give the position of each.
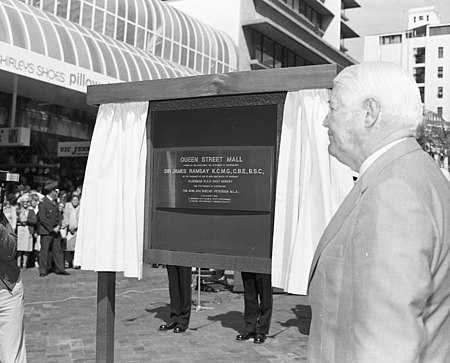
(60, 318)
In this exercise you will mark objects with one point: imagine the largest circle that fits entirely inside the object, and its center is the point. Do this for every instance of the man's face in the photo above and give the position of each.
(345, 123)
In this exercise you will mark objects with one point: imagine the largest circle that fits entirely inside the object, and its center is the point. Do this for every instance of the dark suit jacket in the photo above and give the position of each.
(380, 278)
(48, 217)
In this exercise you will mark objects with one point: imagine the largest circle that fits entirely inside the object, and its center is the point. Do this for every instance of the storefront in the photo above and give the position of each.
(47, 62)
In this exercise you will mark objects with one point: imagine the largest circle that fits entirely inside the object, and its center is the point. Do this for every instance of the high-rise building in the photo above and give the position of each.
(279, 33)
(424, 51)
(51, 50)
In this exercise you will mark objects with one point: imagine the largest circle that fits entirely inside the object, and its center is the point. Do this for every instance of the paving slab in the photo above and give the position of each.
(60, 322)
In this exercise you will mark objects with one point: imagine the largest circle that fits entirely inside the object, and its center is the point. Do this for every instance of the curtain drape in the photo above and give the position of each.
(310, 187)
(110, 232)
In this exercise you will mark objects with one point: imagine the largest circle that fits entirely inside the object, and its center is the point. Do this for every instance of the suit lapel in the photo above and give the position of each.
(402, 148)
(336, 222)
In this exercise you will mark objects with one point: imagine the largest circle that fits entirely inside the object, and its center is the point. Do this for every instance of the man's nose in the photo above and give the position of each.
(326, 121)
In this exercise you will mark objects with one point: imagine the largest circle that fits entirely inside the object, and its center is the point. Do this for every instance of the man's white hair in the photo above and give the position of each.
(388, 83)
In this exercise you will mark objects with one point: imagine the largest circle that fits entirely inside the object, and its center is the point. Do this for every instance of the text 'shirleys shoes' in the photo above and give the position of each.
(246, 336)
(168, 326)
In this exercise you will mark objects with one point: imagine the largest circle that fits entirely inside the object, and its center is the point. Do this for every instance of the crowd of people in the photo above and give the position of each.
(45, 222)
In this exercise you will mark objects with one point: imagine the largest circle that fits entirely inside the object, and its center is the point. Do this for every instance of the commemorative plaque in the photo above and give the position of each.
(229, 178)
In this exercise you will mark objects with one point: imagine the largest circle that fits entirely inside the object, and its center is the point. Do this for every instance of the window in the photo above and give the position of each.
(440, 92)
(273, 55)
(440, 111)
(440, 73)
(414, 19)
(422, 94)
(391, 39)
(421, 17)
(441, 52)
(419, 74)
(419, 55)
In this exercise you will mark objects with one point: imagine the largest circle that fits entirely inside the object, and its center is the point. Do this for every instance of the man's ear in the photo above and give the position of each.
(372, 107)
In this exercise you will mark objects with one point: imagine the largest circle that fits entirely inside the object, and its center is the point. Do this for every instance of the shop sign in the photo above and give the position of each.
(15, 136)
(37, 66)
(73, 149)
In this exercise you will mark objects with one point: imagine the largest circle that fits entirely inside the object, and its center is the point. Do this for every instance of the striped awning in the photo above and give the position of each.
(40, 32)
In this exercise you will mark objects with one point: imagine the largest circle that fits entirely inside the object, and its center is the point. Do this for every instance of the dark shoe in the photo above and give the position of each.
(168, 326)
(259, 338)
(246, 336)
(180, 329)
(42, 274)
(62, 273)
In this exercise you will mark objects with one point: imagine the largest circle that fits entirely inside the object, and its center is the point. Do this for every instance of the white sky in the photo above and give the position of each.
(384, 16)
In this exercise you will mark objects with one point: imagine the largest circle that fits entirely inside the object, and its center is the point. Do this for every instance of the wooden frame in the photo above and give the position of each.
(239, 83)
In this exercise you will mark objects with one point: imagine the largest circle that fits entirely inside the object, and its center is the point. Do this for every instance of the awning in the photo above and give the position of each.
(30, 31)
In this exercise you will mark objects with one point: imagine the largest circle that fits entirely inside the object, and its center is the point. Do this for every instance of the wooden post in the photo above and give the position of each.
(106, 305)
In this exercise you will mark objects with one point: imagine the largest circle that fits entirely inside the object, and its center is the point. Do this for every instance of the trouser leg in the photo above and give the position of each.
(44, 261)
(58, 255)
(250, 301)
(185, 276)
(180, 293)
(12, 333)
(264, 288)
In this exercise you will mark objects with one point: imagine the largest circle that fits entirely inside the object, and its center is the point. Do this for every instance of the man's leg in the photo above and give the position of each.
(58, 255)
(174, 293)
(185, 279)
(44, 254)
(264, 287)
(12, 333)
(250, 301)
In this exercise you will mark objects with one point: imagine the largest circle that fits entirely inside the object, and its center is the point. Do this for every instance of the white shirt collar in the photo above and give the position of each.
(371, 159)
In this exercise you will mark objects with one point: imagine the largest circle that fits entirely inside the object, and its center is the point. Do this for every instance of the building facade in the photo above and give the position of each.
(279, 33)
(51, 50)
(423, 50)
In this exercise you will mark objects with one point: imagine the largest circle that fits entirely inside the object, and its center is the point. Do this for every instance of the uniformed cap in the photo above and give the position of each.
(50, 185)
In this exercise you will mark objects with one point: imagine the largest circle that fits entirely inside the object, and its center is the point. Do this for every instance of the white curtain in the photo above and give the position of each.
(111, 226)
(310, 187)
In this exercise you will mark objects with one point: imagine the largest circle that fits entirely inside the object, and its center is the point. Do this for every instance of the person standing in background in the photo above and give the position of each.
(49, 218)
(70, 223)
(26, 222)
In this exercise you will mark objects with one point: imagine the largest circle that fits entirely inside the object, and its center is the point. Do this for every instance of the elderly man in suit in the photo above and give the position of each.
(380, 278)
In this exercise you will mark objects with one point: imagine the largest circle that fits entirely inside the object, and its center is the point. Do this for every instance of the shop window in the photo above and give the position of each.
(440, 92)
(440, 72)
(441, 52)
